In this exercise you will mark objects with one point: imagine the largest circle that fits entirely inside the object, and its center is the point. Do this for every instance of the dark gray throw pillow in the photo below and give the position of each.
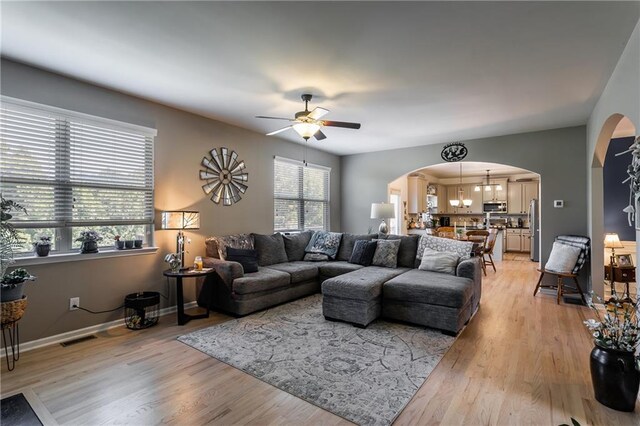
(363, 251)
(294, 245)
(347, 243)
(408, 249)
(246, 257)
(270, 249)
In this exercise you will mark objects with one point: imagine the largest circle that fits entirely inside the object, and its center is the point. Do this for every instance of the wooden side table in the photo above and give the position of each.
(186, 273)
(621, 274)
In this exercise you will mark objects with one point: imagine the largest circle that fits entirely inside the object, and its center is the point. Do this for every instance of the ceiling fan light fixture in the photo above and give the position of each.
(306, 130)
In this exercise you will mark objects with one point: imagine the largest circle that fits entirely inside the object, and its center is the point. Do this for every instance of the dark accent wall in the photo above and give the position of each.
(616, 193)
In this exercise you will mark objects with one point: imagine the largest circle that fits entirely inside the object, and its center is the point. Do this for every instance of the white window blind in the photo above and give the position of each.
(73, 171)
(301, 196)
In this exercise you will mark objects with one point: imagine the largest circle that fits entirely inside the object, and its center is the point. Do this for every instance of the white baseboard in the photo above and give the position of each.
(82, 332)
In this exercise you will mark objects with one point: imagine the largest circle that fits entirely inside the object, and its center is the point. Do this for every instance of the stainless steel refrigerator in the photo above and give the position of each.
(534, 229)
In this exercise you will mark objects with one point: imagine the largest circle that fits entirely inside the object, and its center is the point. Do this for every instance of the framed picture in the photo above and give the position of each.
(624, 260)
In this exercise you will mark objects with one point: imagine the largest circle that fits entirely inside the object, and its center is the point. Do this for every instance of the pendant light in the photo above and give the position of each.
(461, 201)
(487, 186)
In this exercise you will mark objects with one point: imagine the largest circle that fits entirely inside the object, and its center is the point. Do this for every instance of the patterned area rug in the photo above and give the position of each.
(366, 375)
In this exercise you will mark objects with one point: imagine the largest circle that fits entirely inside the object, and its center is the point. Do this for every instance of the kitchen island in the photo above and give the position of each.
(498, 248)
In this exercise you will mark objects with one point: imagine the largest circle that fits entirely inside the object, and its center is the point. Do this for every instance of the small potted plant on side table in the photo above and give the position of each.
(42, 246)
(615, 368)
(90, 240)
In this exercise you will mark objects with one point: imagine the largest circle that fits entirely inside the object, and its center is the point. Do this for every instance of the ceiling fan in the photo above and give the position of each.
(307, 123)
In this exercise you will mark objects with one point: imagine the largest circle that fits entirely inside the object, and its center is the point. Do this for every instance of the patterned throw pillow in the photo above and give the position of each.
(386, 253)
(324, 242)
(363, 252)
(461, 248)
(239, 241)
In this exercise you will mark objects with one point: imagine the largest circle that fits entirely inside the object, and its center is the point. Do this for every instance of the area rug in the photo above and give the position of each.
(366, 376)
(16, 411)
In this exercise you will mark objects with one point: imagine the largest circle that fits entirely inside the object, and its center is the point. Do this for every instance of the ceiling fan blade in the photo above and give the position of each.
(317, 113)
(344, 124)
(319, 135)
(278, 131)
(275, 118)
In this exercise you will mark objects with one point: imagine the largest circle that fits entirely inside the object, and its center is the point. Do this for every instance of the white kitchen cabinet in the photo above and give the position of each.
(452, 194)
(525, 241)
(443, 202)
(476, 198)
(494, 194)
(519, 196)
(518, 240)
(417, 195)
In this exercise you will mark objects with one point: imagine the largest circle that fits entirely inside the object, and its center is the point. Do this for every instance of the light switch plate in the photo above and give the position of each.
(558, 204)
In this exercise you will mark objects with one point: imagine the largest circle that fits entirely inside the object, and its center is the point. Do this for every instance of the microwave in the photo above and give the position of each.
(495, 207)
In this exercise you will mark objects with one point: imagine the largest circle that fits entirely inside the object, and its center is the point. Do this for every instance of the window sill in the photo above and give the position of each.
(74, 257)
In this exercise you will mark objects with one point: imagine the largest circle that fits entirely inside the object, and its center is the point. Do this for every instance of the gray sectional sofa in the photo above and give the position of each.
(352, 293)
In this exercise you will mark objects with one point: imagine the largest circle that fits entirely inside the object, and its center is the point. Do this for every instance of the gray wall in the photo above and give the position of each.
(183, 139)
(557, 155)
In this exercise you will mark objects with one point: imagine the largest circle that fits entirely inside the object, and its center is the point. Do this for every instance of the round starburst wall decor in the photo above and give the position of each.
(225, 176)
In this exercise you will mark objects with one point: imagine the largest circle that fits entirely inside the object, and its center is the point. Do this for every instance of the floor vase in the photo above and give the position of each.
(615, 378)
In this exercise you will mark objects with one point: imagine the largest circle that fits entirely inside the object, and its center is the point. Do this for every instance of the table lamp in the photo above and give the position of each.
(382, 211)
(180, 220)
(612, 241)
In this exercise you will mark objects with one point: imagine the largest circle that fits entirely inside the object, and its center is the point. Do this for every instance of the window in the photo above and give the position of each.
(300, 196)
(74, 172)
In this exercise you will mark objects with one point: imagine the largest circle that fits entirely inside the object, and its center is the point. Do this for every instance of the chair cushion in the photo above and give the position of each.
(264, 279)
(432, 288)
(363, 252)
(324, 242)
(299, 271)
(333, 269)
(348, 243)
(408, 248)
(295, 244)
(439, 261)
(270, 249)
(563, 258)
(246, 257)
(363, 284)
(462, 248)
(386, 253)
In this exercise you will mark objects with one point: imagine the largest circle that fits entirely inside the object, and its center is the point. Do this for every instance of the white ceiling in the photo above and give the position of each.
(472, 168)
(411, 73)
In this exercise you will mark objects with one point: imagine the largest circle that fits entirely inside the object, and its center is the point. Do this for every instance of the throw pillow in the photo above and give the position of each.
(461, 248)
(270, 249)
(347, 243)
(246, 257)
(408, 248)
(241, 241)
(324, 242)
(315, 257)
(386, 253)
(363, 252)
(563, 258)
(294, 245)
(439, 261)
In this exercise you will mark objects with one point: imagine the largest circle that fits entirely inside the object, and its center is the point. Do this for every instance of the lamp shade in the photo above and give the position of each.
(306, 130)
(382, 211)
(612, 241)
(180, 220)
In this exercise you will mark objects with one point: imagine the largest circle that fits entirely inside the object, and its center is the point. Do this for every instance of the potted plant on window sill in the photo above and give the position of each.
(615, 368)
(89, 240)
(42, 246)
(11, 284)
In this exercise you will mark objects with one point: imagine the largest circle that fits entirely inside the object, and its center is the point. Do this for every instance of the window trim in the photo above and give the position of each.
(328, 200)
(64, 232)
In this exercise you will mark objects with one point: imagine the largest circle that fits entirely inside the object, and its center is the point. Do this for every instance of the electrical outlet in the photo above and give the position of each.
(74, 301)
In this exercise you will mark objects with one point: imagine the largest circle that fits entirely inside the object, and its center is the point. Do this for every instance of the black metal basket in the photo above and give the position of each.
(141, 310)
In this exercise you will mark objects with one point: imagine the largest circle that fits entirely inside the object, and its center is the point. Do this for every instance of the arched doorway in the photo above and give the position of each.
(616, 126)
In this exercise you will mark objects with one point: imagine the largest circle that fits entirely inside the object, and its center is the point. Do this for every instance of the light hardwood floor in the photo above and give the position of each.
(522, 360)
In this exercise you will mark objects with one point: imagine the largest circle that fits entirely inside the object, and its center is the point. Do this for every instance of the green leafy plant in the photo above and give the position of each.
(87, 236)
(9, 238)
(618, 328)
(43, 240)
(15, 277)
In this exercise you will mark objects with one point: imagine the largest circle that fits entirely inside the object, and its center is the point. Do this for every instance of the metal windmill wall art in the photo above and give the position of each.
(225, 176)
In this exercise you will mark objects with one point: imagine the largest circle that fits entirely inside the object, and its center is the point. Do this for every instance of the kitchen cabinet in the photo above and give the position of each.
(518, 240)
(467, 193)
(443, 201)
(417, 194)
(452, 194)
(494, 194)
(519, 196)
